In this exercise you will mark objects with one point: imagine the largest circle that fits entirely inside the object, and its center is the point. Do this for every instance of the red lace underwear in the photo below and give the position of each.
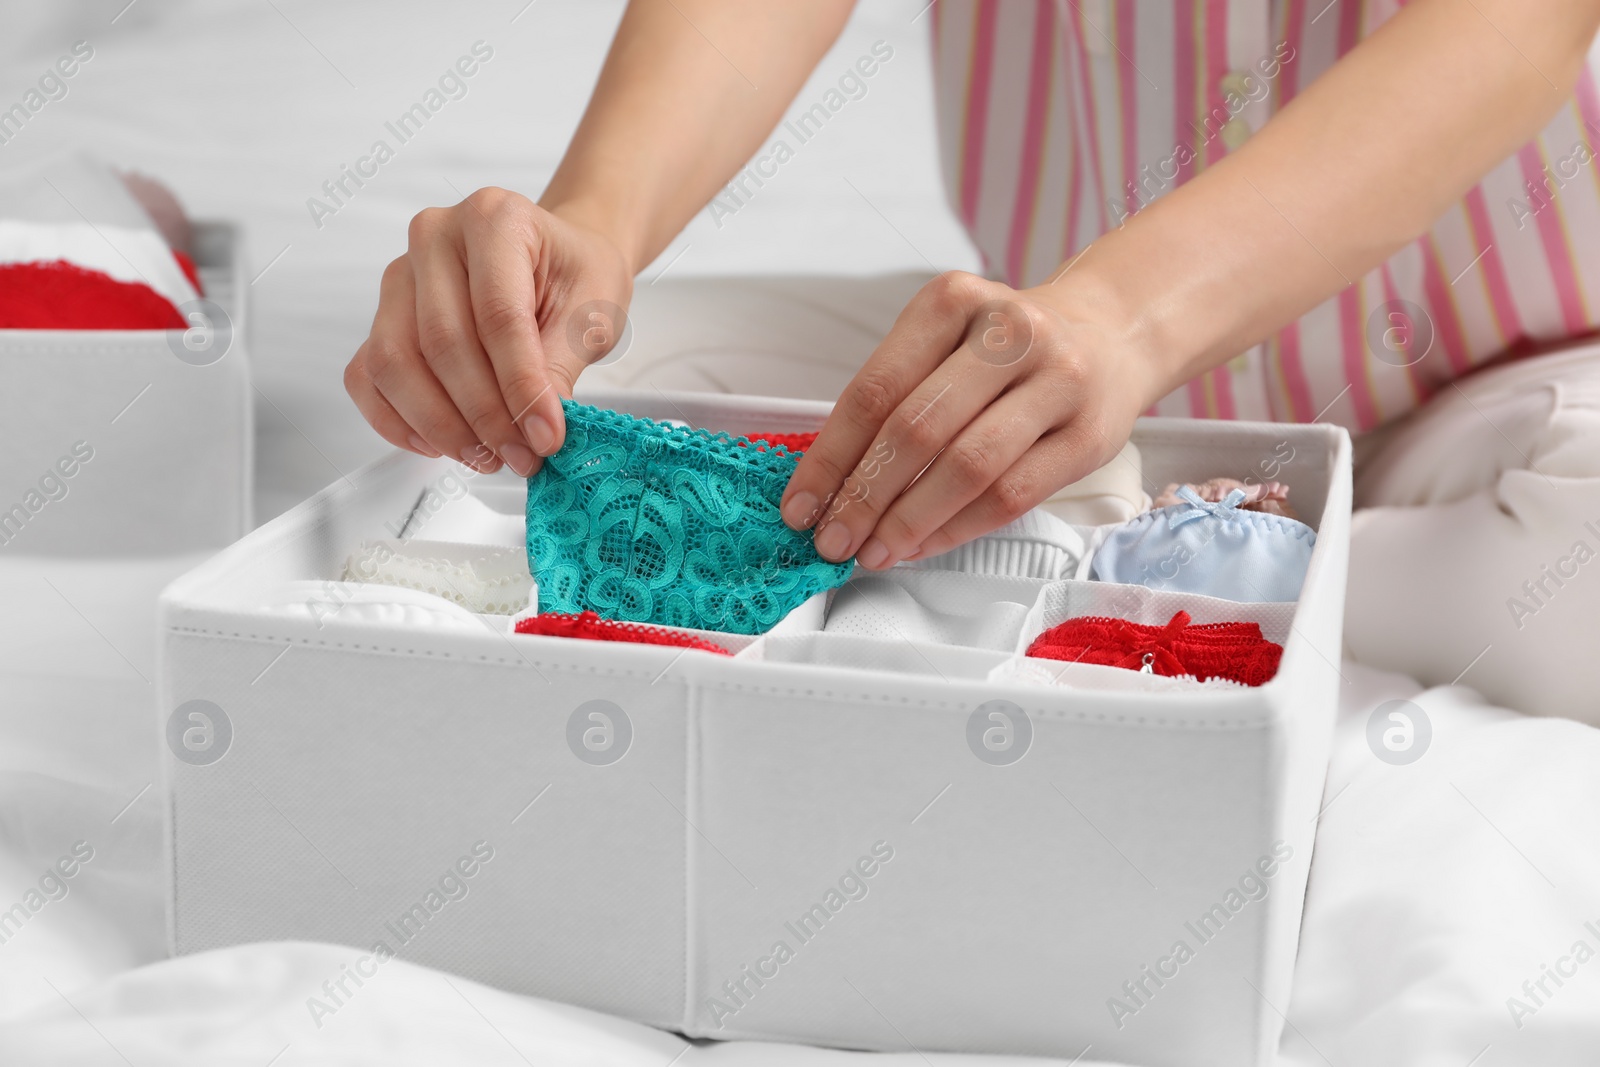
(794, 442)
(1232, 650)
(591, 627)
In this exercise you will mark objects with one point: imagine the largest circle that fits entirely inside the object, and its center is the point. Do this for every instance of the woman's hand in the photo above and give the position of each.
(980, 403)
(483, 326)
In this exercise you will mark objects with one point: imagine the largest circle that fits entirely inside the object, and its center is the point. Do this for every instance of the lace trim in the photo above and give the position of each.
(588, 626)
(796, 443)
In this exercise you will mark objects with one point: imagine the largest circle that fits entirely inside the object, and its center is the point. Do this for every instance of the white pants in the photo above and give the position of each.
(1475, 555)
(1475, 552)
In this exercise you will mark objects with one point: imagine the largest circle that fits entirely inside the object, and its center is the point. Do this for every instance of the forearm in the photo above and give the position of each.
(1355, 167)
(689, 90)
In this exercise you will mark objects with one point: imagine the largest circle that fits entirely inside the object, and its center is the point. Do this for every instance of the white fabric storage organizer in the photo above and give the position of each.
(168, 437)
(817, 789)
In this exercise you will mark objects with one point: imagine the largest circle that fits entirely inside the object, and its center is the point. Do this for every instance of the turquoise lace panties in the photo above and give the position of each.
(646, 522)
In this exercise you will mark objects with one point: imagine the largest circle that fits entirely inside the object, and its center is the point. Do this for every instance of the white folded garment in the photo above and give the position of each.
(1114, 493)
(938, 607)
(1038, 545)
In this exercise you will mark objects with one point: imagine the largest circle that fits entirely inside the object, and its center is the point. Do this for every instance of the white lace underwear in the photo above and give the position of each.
(487, 579)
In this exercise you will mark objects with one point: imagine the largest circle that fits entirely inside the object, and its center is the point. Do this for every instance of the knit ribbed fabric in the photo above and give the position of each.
(1037, 545)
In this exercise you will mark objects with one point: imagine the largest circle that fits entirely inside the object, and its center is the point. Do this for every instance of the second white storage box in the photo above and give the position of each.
(132, 442)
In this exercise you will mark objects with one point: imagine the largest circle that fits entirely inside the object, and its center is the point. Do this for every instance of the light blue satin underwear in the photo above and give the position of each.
(1215, 549)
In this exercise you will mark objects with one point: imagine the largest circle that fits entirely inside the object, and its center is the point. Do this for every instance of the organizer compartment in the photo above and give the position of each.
(1021, 895)
(1061, 601)
(366, 755)
(897, 655)
(361, 759)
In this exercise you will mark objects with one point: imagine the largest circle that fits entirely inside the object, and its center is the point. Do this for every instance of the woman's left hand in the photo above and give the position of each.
(980, 403)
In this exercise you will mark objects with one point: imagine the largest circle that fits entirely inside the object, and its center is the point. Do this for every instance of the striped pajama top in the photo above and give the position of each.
(1059, 118)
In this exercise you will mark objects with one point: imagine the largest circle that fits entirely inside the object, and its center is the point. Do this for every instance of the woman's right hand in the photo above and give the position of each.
(483, 326)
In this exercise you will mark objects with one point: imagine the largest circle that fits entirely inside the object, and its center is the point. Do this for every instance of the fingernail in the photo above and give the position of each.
(518, 458)
(873, 554)
(801, 510)
(834, 542)
(540, 434)
(424, 447)
(480, 459)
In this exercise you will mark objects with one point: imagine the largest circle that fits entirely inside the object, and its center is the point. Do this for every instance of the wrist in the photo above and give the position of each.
(1093, 301)
(604, 221)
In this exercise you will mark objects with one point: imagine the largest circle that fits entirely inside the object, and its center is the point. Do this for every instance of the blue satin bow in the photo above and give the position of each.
(1196, 507)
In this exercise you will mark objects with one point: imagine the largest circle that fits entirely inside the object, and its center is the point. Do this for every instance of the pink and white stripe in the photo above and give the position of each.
(1058, 117)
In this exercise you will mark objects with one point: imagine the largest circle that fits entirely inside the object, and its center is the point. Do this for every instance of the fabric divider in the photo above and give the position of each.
(1060, 601)
(895, 655)
(1025, 670)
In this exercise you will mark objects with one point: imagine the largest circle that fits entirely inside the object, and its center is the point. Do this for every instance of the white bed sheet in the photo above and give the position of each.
(1437, 889)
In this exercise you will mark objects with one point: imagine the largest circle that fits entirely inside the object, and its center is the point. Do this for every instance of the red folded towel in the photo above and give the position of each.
(591, 627)
(1232, 650)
